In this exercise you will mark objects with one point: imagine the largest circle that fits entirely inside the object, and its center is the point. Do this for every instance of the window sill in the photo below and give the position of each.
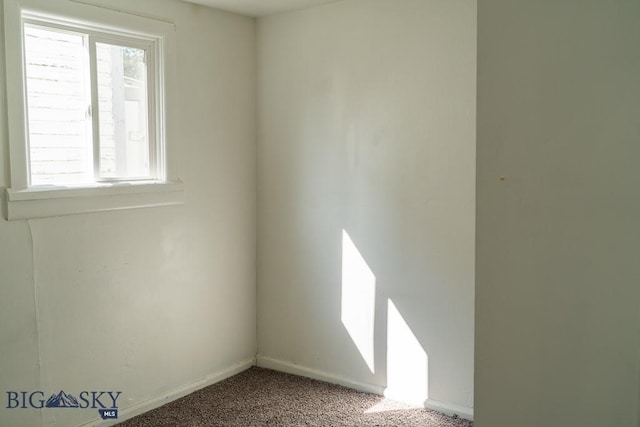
(42, 202)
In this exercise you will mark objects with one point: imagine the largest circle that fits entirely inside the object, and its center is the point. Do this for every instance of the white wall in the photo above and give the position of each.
(152, 300)
(558, 298)
(367, 125)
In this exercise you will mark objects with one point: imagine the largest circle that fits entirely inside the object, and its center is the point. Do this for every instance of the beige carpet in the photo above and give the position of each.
(261, 397)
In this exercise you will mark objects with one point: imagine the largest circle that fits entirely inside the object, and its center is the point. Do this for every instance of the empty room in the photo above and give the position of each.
(320, 212)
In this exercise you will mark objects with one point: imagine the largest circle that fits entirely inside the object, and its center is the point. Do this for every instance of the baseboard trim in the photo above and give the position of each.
(295, 369)
(449, 409)
(303, 371)
(156, 402)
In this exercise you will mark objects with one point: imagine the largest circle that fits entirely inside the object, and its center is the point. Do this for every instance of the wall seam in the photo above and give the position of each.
(37, 312)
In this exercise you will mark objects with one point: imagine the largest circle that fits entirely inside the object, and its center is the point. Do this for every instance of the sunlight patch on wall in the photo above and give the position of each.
(407, 362)
(358, 299)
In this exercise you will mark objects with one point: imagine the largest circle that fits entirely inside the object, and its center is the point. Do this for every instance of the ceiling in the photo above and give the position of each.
(258, 8)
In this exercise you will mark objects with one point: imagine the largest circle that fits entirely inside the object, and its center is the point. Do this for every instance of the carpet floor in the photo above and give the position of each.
(262, 397)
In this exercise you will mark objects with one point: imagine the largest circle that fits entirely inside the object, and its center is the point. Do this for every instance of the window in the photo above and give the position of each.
(88, 115)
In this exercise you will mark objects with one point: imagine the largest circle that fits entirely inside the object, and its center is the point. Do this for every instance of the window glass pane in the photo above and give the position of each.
(122, 93)
(57, 99)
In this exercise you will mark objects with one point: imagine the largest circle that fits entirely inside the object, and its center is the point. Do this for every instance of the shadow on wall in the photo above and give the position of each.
(406, 362)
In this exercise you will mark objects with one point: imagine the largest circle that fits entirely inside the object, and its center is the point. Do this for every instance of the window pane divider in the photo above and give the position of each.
(152, 107)
(95, 106)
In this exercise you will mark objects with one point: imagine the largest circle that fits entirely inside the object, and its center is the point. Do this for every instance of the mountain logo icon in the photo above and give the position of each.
(62, 400)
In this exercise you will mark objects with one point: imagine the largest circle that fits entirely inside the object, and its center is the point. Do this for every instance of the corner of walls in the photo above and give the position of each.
(449, 409)
(256, 130)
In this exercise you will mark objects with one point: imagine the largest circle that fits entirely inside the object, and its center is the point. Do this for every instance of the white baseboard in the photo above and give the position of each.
(449, 409)
(276, 365)
(292, 368)
(148, 405)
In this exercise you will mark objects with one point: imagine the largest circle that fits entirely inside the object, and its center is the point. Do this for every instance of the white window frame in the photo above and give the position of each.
(25, 201)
